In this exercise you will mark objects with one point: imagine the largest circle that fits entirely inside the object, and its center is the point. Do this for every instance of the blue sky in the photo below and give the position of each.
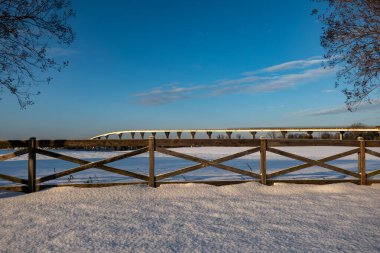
(186, 64)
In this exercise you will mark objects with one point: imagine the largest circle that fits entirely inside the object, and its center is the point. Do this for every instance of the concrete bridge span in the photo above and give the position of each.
(229, 131)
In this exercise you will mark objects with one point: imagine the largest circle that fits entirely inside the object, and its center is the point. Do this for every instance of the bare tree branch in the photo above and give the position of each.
(27, 27)
(351, 37)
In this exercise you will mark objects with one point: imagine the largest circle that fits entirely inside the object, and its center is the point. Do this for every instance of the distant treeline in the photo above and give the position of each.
(328, 135)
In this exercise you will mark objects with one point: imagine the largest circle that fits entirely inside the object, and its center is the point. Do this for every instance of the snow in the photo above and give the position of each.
(193, 218)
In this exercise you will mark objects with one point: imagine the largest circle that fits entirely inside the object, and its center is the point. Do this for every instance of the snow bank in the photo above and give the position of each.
(193, 218)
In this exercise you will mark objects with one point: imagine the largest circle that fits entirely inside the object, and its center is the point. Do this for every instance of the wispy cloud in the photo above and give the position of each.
(265, 80)
(365, 107)
(275, 83)
(299, 64)
(160, 96)
(329, 91)
(250, 79)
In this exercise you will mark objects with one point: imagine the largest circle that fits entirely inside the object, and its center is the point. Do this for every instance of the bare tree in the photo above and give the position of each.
(273, 135)
(27, 27)
(351, 36)
(355, 135)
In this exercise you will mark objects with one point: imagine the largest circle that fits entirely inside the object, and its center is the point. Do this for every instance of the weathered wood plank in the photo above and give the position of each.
(182, 142)
(361, 159)
(216, 183)
(371, 152)
(237, 155)
(102, 167)
(313, 162)
(13, 179)
(269, 181)
(311, 142)
(263, 161)
(172, 143)
(135, 143)
(92, 185)
(372, 144)
(32, 165)
(14, 154)
(200, 166)
(373, 173)
(306, 165)
(17, 188)
(209, 163)
(91, 165)
(313, 181)
(152, 179)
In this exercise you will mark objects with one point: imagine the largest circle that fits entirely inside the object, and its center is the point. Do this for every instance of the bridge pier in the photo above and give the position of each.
(120, 135)
(283, 133)
(309, 134)
(179, 135)
(133, 135)
(253, 134)
(209, 134)
(193, 135)
(341, 134)
(142, 135)
(167, 134)
(229, 135)
(154, 134)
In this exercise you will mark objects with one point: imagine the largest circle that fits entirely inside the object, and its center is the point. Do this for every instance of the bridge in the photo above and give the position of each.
(229, 131)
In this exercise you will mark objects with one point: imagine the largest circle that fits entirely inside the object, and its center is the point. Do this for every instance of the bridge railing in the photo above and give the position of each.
(32, 147)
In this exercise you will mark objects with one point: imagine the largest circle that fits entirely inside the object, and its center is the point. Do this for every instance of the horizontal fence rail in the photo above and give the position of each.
(32, 147)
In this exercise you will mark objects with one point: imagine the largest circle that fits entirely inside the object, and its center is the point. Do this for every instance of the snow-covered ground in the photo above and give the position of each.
(46, 165)
(193, 218)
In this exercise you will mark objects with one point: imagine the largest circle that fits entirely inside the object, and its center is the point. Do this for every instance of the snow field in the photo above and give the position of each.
(193, 218)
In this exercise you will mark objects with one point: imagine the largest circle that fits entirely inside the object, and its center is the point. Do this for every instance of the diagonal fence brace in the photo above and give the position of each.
(205, 163)
(313, 162)
(91, 165)
(307, 165)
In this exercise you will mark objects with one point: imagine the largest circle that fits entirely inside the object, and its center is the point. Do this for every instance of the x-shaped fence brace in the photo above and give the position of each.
(13, 155)
(201, 163)
(310, 162)
(87, 165)
(376, 154)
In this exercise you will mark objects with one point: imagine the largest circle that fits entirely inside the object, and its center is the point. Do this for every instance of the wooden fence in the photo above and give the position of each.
(152, 145)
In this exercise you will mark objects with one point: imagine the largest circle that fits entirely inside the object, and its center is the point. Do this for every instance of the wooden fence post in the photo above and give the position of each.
(152, 147)
(32, 165)
(361, 162)
(263, 161)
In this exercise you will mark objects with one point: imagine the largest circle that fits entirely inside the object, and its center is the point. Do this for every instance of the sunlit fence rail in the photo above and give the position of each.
(32, 147)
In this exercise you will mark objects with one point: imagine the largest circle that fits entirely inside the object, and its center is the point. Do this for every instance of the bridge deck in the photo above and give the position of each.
(244, 130)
